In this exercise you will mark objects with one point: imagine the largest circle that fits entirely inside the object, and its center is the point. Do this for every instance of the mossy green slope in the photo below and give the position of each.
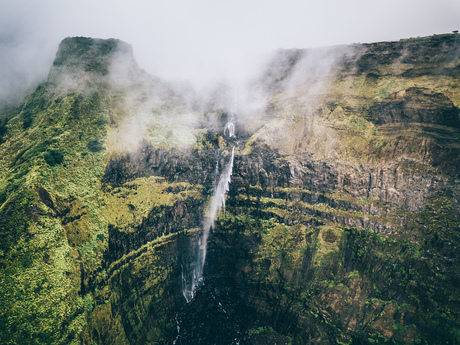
(342, 249)
(55, 213)
(51, 213)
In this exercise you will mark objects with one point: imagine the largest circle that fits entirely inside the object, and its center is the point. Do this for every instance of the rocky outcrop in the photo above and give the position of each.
(84, 54)
(160, 221)
(174, 165)
(416, 105)
(423, 56)
(139, 296)
(313, 199)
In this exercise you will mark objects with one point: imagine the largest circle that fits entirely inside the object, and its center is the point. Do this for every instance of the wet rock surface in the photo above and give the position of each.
(216, 316)
(159, 222)
(193, 167)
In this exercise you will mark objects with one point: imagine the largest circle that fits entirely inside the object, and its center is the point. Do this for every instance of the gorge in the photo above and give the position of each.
(339, 173)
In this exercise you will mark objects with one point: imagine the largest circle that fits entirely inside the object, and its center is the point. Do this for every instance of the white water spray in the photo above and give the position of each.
(229, 129)
(217, 203)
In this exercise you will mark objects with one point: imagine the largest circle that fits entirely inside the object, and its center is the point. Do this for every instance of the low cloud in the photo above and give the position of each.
(202, 41)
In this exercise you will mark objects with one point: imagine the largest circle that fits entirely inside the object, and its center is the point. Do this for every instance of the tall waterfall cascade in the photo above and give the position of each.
(216, 204)
(229, 129)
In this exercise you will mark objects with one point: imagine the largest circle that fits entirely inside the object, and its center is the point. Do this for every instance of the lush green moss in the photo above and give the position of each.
(343, 284)
(30, 152)
(40, 274)
(15, 218)
(35, 104)
(91, 55)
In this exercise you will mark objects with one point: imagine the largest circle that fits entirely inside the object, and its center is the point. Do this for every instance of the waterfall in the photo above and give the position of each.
(229, 129)
(190, 284)
(216, 204)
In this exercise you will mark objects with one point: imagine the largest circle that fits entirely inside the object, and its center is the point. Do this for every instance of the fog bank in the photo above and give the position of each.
(203, 41)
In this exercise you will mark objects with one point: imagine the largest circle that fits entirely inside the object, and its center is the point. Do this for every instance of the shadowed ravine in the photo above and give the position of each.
(212, 317)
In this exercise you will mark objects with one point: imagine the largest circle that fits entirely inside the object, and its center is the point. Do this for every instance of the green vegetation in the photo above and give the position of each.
(380, 288)
(3, 128)
(89, 55)
(45, 251)
(53, 157)
(55, 216)
(95, 146)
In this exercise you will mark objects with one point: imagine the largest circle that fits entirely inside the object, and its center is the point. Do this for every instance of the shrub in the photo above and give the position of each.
(3, 129)
(95, 146)
(27, 119)
(54, 157)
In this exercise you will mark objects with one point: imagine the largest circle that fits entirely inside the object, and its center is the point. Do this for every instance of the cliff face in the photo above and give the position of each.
(342, 218)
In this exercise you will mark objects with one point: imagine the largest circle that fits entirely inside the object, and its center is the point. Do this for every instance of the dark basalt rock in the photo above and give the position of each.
(419, 105)
(308, 250)
(174, 165)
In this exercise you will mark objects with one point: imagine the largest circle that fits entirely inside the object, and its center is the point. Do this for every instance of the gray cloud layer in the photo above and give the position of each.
(201, 40)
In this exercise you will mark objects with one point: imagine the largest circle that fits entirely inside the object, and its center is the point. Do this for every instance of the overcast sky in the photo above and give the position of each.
(195, 39)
